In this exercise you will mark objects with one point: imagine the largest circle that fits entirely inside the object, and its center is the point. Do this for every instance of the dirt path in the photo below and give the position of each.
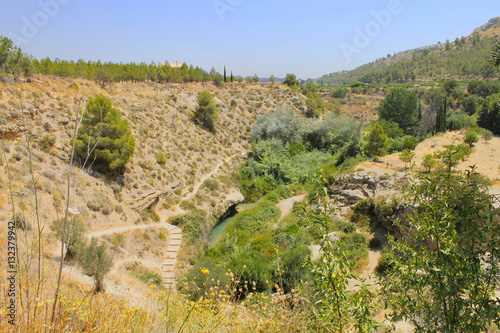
(167, 265)
(286, 205)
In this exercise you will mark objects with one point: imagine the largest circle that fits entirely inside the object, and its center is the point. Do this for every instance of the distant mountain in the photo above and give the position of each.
(465, 58)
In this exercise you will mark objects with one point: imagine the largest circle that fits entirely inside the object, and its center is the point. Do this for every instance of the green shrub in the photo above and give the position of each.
(74, 236)
(346, 227)
(161, 159)
(385, 264)
(409, 142)
(253, 219)
(95, 262)
(191, 224)
(340, 92)
(150, 278)
(470, 137)
(356, 244)
(211, 184)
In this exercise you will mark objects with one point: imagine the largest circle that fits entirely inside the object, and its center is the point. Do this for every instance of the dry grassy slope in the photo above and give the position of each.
(159, 119)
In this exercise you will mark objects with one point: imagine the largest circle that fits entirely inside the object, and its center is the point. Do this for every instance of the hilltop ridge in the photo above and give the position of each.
(464, 58)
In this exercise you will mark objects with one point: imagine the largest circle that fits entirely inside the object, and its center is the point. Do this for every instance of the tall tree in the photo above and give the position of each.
(291, 81)
(400, 106)
(225, 76)
(104, 138)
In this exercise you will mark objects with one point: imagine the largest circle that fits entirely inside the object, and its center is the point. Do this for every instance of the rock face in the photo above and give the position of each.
(350, 188)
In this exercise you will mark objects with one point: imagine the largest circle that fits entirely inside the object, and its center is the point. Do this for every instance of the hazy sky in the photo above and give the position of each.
(308, 38)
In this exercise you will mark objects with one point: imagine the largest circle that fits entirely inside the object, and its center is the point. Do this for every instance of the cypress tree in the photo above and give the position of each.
(225, 77)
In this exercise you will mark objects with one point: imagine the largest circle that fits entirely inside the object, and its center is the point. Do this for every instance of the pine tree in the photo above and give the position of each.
(104, 138)
(377, 141)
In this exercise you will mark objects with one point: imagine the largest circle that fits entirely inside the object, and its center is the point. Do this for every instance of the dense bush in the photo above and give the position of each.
(282, 124)
(191, 224)
(340, 92)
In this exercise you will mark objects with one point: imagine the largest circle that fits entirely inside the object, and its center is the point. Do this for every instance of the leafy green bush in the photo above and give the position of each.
(356, 245)
(74, 235)
(470, 137)
(104, 138)
(340, 92)
(191, 224)
(211, 184)
(95, 262)
(253, 219)
(346, 227)
(385, 264)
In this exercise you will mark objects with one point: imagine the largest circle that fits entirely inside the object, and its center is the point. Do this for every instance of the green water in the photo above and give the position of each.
(218, 231)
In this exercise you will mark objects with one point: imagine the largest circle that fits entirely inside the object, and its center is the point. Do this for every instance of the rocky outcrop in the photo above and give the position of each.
(350, 188)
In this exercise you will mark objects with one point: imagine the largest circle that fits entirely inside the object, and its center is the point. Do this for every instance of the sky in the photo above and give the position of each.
(308, 38)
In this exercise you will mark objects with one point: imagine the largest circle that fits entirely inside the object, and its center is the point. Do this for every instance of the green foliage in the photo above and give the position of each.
(95, 262)
(355, 244)
(346, 227)
(471, 60)
(191, 224)
(407, 157)
(211, 184)
(104, 139)
(487, 135)
(340, 92)
(400, 106)
(207, 111)
(391, 128)
(314, 104)
(74, 235)
(496, 54)
(385, 264)
(282, 124)
(470, 137)
(161, 159)
(429, 161)
(337, 307)
(376, 141)
(12, 59)
(291, 81)
(489, 116)
(150, 278)
(254, 219)
(444, 268)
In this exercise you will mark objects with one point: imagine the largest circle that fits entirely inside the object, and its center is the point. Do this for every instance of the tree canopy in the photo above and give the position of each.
(400, 106)
(104, 140)
(291, 81)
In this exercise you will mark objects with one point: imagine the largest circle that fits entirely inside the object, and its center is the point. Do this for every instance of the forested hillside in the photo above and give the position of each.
(464, 58)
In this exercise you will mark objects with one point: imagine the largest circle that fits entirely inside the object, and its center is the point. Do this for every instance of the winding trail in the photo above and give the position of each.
(167, 264)
(286, 205)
